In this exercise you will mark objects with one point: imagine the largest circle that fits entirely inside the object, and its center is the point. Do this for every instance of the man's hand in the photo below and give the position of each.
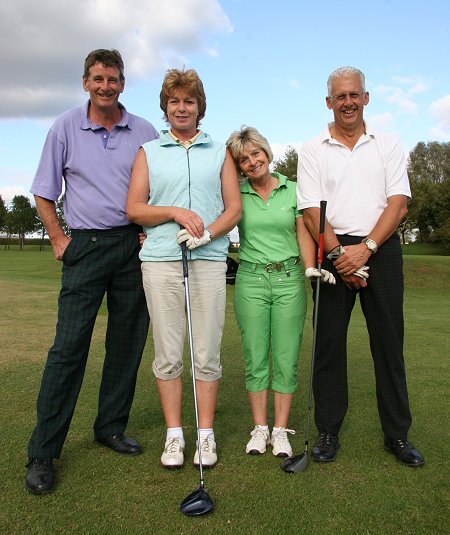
(325, 276)
(354, 258)
(60, 245)
(353, 282)
(192, 242)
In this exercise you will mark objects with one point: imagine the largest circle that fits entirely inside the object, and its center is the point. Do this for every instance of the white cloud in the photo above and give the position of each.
(399, 98)
(441, 110)
(9, 192)
(48, 41)
(382, 121)
(414, 84)
(403, 92)
(18, 184)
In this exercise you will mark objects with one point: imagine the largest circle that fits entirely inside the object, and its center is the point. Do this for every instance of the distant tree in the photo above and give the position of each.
(429, 173)
(8, 227)
(60, 214)
(22, 218)
(3, 213)
(442, 232)
(41, 230)
(287, 164)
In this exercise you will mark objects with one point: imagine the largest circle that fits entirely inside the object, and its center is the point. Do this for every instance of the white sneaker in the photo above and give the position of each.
(208, 450)
(280, 442)
(173, 456)
(259, 441)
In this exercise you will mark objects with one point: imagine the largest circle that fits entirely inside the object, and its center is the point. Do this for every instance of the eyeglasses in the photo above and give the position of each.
(343, 96)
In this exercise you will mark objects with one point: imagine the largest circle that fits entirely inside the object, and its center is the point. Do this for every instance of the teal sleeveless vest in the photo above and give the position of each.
(187, 178)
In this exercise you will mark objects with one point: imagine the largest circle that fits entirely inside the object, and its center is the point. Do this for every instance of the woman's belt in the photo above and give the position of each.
(284, 265)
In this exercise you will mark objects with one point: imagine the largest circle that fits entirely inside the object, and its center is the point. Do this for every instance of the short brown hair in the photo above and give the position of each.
(189, 81)
(108, 58)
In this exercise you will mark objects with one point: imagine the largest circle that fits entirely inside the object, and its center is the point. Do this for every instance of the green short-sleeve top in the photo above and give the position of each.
(267, 230)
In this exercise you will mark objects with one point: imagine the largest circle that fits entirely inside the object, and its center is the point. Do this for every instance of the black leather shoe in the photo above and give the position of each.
(121, 444)
(404, 451)
(326, 448)
(40, 477)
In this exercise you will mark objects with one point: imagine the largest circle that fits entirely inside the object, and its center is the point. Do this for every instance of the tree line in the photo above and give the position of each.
(428, 218)
(21, 218)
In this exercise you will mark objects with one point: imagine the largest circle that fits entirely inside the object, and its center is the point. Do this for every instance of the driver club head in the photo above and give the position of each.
(293, 465)
(197, 503)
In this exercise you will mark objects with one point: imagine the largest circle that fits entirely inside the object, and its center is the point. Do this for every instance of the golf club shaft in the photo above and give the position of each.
(191, 350)
(323, 207)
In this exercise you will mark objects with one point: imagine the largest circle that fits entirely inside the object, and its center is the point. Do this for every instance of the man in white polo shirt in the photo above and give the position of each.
(362, 176)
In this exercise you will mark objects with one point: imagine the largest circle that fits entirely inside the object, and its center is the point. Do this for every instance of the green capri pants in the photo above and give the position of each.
(270, 307)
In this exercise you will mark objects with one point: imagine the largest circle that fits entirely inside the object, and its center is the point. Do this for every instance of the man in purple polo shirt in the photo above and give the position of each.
(92, 149)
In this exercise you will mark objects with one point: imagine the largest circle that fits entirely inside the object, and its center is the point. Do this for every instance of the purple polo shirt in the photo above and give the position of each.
(96, 176)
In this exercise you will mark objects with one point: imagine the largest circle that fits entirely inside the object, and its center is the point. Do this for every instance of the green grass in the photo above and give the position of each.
(364, 492)
(417, 248)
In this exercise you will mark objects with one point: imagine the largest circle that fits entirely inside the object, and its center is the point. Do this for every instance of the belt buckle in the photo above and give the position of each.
(271, 267)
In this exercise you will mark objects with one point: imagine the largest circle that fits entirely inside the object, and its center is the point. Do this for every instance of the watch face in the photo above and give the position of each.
(371, 245)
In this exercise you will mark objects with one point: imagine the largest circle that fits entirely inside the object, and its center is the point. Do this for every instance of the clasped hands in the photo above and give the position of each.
(191, 241)
(192, 230)
(336, 253)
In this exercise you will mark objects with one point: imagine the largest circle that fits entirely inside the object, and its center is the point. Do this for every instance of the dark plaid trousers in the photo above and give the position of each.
(96, 262)
(382, 305)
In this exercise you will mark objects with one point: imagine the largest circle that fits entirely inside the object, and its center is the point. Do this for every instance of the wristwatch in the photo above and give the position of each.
(210, 233)
(371, 245)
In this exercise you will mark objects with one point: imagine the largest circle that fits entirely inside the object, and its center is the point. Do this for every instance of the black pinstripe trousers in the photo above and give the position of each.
(94, 264)
(382, 305)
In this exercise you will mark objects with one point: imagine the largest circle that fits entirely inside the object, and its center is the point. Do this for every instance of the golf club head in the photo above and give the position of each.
(296, 464)
(197, 503)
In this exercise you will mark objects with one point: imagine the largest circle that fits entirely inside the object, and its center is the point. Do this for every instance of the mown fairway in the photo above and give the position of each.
(98, 492)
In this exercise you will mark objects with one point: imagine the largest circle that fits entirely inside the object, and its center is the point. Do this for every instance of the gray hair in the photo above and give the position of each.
(239, 139)
(342, 71)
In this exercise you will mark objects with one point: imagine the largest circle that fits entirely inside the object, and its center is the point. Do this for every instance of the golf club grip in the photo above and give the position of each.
(184, 259)
(323, 209)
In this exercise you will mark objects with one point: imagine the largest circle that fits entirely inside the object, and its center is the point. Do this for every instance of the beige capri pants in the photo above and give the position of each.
(164, 291)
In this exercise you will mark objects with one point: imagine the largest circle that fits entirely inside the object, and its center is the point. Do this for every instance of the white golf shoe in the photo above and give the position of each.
(208, 451)
(259, 441)
(280, 442)
(173, 456)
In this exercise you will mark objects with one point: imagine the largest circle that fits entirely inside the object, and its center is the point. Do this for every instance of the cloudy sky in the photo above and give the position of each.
(264, 63)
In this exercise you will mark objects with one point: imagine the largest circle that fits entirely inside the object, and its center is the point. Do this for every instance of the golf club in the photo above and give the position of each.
(198, 502)
(298, 463)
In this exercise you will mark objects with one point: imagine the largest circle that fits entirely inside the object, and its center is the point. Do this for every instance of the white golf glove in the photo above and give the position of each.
(192, 242)
(362, 272)
(325, 276)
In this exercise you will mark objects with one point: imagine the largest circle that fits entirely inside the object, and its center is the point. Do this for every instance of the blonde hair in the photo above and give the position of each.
(239, 139)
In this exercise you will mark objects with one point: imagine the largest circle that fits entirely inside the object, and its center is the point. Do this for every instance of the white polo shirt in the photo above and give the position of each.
(355, 183)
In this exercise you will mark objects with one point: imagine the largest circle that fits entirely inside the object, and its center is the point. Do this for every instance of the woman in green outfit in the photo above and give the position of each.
(270, 295)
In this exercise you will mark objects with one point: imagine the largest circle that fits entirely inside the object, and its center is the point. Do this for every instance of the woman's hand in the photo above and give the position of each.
(192, 242)
(325, 276)
(190, 221)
